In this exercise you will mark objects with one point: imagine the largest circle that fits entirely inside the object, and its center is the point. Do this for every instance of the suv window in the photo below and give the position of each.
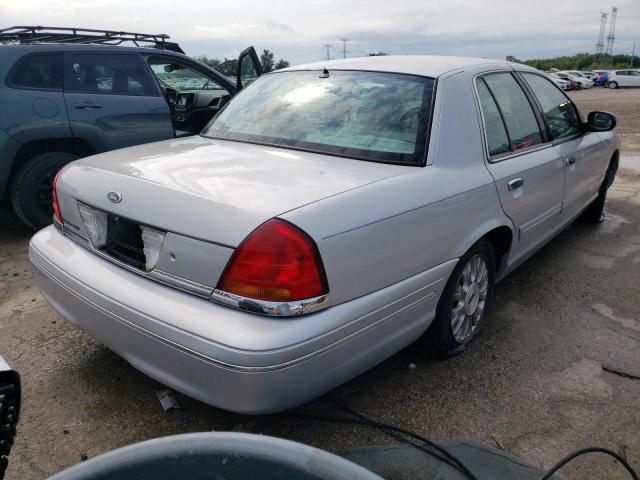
(561, 115)
(181, 78)
(42, 72)
(497, 138)
(112, 74)
(516, 110)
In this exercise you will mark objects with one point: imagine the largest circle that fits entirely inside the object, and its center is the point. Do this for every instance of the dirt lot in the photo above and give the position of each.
(533, 385)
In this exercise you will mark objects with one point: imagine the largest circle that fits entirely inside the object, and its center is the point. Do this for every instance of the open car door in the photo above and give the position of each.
(249, 68)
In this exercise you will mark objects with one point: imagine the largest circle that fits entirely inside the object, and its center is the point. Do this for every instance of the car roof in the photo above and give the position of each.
(75, 47)
(423, 65)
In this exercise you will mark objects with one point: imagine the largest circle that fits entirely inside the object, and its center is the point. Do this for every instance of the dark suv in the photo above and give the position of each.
(66, 94)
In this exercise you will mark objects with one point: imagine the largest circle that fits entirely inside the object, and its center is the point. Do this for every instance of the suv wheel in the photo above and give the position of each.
(31, 188)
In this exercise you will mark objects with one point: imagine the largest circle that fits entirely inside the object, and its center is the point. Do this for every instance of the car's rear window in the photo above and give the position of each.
(366, 115)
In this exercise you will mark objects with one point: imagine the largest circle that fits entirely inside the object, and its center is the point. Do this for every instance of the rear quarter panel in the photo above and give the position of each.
(380, 234)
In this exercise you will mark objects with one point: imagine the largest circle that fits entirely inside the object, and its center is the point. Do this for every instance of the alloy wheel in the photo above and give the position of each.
(469, 299)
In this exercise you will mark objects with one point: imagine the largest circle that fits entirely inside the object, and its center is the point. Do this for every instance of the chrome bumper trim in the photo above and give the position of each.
(272, 309)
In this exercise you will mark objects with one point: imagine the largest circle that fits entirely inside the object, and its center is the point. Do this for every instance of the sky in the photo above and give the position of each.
(296, 30)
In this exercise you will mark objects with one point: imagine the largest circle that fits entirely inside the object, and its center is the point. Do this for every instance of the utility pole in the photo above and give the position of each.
(603, 26)
(612, 30)
(633, 55)
(344, 47)
(327, 46)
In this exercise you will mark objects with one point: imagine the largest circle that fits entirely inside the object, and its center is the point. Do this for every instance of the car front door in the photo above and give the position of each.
(112, 100)
(528, 172)
(249, 68)
(634, 78)
(581, 152)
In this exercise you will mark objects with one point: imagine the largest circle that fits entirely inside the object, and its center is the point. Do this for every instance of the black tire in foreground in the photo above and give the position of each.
(462, 309)
(31, 188)
(595, 212)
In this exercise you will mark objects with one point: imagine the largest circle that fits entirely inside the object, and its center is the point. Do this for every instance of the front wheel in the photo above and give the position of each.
(594, 213)
(462, 308)
(613, 85)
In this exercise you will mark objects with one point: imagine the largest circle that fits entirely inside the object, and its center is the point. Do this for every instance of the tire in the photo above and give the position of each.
(446, 336)
(594, 213)
(612, 85)
(31, 186)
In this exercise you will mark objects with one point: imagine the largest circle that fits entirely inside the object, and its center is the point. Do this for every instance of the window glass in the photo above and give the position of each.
(39, 71)
(116, 74)
(181, 78)
(516, 110)
(494, 126)
(558, 110)
(368, 115)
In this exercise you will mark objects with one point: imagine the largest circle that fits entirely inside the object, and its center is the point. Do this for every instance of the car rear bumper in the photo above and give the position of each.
(241, 365)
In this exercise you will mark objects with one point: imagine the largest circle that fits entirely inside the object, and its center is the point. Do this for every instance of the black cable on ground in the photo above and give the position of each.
(584, 451)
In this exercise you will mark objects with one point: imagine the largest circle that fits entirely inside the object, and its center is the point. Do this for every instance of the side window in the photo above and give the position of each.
(497, 138)
(561, 115)
(517, 112)
(111, 74)
(182, 78)
(42, 72)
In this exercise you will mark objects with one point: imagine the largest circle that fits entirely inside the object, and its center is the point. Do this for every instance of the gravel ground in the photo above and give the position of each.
(532, 385)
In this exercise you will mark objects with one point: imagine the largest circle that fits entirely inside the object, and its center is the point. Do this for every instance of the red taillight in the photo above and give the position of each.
(277, 262)
(57, 216)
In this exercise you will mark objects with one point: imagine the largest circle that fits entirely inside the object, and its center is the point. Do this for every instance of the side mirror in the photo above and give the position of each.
(600, 122)
(9, 410)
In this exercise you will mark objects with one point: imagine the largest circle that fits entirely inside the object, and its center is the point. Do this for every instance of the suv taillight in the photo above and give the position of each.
(277, 262)
(57, 216)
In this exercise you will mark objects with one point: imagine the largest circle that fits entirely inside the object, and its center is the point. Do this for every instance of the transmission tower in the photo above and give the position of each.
(327, 46)
(344, 47)
(603, 26)
(612, 30)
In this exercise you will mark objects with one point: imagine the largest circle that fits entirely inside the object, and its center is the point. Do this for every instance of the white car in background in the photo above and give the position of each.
(561, 82)
(624, 78)
(583, 82)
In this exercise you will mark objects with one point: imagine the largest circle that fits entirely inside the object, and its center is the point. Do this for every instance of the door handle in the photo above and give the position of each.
(515, 183)
(570, 161)
(87, 106)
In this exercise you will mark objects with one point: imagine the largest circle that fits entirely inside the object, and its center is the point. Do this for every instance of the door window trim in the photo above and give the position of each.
(512, 153)
(12, 71)
(68, 67)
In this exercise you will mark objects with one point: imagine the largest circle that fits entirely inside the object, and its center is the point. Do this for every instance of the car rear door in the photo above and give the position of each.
(581, 152)
(527, 170)
(112, 100)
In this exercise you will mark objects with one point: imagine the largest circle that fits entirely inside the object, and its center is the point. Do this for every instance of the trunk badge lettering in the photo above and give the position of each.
(115, 197)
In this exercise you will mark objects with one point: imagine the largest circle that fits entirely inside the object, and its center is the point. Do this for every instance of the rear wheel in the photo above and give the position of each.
(595, 212)
(462, 308)
(613, 85)
(31, 188)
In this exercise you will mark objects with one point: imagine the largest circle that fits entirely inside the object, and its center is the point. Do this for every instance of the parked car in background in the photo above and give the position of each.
(62, 99)
(576, 78)
(574, 84)
(589, 74)
(624, 78)
(330, 215)
(564, 84)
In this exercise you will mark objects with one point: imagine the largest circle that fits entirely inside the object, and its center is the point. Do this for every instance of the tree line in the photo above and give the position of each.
(229, 66)
(581, 61)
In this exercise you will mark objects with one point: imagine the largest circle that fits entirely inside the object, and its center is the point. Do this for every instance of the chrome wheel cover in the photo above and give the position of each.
(469, 300)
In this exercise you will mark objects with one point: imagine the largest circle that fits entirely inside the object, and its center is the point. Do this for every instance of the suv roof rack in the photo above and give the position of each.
(37, 34)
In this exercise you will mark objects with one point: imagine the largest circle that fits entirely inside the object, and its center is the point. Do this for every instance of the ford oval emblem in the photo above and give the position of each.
(115, 197)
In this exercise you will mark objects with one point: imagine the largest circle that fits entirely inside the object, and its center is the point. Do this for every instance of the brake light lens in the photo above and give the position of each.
(277, 262)
(57, 215)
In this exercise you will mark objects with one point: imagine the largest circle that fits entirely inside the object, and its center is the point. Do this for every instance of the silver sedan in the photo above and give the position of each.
(329, 216)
